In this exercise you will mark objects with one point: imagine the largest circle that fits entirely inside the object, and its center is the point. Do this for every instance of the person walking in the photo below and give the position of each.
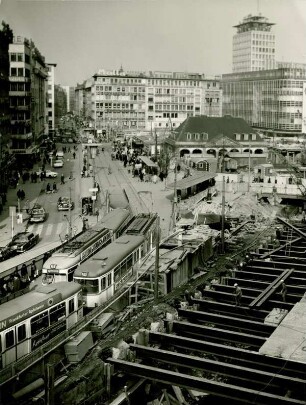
(238, 294)
(283, 290)
(62, 179)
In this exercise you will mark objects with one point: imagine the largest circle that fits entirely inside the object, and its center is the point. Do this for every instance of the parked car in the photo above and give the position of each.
(59, 154)
(23, 241)
(49, 173)
(37, 214)
(5, 253)
(58, 163)
(65, 204)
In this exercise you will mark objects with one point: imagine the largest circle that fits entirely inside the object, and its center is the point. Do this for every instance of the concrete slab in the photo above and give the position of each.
(288, 341)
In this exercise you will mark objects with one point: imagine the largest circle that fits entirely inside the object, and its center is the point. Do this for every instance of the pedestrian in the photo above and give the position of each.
(154, 178)
(48, 188)
(74, 155)
(34, 273)
(238, 294)
(54, 189)
(283, 290)
(62, 179)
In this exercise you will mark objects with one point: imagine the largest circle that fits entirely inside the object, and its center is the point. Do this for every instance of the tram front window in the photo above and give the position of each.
(89, 286)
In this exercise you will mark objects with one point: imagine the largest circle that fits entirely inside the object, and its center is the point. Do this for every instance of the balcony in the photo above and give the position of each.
(20, 93)
(20, 107)
(22, 137)
(20, 79)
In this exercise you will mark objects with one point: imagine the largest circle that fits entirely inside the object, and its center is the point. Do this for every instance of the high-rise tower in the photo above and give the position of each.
(253, 45)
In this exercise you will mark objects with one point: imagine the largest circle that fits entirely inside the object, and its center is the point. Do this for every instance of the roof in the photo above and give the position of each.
(228, 126)
(147, 161)
(192, 180)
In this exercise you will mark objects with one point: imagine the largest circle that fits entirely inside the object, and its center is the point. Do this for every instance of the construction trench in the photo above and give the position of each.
(208, 349)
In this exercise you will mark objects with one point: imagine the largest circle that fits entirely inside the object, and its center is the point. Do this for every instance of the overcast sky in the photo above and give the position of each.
(82, 36)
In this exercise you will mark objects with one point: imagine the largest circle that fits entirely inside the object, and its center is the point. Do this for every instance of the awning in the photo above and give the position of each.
(193, 180)
(148, 162)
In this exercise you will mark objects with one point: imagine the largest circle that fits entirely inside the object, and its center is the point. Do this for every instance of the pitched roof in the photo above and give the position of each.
(225, 126)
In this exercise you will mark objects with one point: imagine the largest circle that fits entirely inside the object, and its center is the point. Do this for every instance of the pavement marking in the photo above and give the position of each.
(49, 229)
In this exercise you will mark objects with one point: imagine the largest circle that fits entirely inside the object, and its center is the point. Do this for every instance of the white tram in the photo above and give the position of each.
(109, 269)
(29, 321)
(62, 264)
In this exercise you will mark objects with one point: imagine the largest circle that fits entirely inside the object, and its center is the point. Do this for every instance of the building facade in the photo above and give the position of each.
(51, 100)
(70, 93)
(28, 101)
(136, 101)
(253, 45)
(270, 100)
(231, 141)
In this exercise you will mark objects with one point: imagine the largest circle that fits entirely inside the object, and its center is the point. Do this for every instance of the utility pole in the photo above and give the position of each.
(249, 171)
(223, 214)
(174, 202)
(157, 259)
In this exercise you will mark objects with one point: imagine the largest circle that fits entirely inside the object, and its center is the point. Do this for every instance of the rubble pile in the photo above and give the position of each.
(238, 206)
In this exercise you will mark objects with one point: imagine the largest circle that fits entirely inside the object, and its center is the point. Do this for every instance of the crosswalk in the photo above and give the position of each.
(52, 230)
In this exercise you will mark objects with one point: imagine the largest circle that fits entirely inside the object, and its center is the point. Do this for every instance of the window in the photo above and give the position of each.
(21, 333)
(9, 339)
(13, 71)
(19, 57)
(188, 136)
(71, 308)
(39, 322)
(57, 313)
(20, 72)
(238, 137)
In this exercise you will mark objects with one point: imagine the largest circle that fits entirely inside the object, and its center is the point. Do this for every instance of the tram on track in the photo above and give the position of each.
(28, 321)
(108, 270)
(62, 264)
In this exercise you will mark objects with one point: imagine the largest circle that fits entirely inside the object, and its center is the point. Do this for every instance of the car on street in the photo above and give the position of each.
(5, 253)
(23, 241)
(59, 154)
(49, 173)
(37, 214)
(58, 163)
(65, 204)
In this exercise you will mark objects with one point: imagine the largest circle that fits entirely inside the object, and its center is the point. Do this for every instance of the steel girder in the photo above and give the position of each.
(232, 371)
(234, 355)
(217, 335)
(217, 388)
(230, 322)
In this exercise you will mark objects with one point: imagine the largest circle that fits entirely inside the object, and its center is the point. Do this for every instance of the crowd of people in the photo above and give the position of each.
(19, 280)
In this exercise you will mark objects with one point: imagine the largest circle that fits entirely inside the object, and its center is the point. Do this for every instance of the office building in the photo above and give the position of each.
(50, 94)
(273, 101)
(253, 45)
(28, 75)
(140, 101)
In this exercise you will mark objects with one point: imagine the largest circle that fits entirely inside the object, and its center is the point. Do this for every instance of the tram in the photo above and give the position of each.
(109, 269)
(62, 264)
(29, 321)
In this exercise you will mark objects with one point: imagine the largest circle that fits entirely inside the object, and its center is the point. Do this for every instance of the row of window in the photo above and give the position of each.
(20, 72)
(17, 86)
(39, 323)
(19, 57)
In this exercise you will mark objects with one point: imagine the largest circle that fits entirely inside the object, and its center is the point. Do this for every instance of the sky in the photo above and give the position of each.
(83, 36)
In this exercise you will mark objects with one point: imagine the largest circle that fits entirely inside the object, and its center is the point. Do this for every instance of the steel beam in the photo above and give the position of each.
(234, 355)
(270, 290)
(214, 366)
(227, 297)
(230, 322)
(217, 388)
(217, 335)
(294, 228)
(223, 307)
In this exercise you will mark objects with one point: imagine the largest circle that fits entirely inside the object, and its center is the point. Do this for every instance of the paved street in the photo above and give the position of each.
(143, 196)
